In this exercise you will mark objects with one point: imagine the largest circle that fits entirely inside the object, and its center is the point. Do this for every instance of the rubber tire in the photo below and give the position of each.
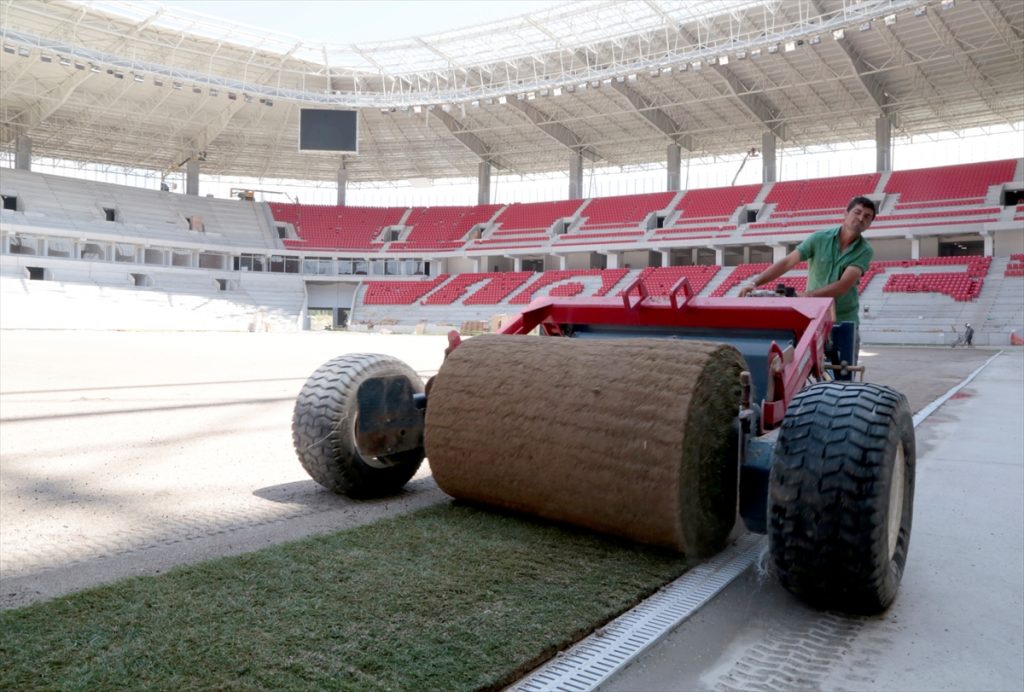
(323, 428)
(829, 496)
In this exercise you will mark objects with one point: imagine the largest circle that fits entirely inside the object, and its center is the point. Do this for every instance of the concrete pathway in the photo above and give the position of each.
(958, 622)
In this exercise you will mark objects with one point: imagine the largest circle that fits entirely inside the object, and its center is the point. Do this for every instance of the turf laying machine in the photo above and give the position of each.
(660, 420)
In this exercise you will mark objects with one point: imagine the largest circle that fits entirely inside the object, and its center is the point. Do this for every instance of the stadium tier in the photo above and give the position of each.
(361, 261)
(822, 197)
(947, 186)
(335, 228)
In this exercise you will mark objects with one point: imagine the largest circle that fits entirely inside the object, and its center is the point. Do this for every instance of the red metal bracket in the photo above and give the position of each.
(637, 285)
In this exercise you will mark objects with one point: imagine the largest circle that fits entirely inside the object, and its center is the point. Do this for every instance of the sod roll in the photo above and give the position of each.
(631, 437)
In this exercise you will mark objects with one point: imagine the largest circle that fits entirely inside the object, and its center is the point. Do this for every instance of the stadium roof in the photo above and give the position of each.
(137, 84)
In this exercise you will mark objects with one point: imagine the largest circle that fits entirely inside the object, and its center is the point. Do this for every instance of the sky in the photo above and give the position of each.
(341, 22)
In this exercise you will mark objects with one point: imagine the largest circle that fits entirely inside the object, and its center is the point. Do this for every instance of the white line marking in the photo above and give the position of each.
(932, 407)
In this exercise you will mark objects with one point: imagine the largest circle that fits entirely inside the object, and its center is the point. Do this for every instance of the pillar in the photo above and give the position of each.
(672, 159)
(915, 248)
(666, 258)
(883, 145)
(483, 183)
(719, 256)
(342, 182)
(563, 262)
(989, 240)
(23, 153)
(192, 176)
(768, 172)
(576, 175)
(517, 263)
(778, 252)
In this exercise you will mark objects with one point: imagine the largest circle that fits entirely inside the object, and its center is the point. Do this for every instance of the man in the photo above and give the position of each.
(969, 335)
(837, 258)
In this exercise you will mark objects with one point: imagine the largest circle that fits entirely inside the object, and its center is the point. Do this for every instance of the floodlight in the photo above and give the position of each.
(631, 77)
(531, 95)
(475, 103)
(790, 46)
(755, 52)
(544, 92)
(742, 55)
(723, 60)
(839, 34)
(93, 68)
(620, 78)
(696, 65)
(417, 109)
(502, 100)
(773, 49)
(713, 60)
(137, 77)
(9, 49)
(79, 66)
(119, 75)
(655, 72)
(666, 70)
(570, 89)
(213, 92)
(815, 40)
(557, 91)
(865, 26)
(921, 11)
(247, 98)
(196, 90)
(595, 83)
(890, 19)
(24, 52)
(268, 102)
(43, 57)
(158, 82)
(948, 4)
(232, 96)
(446, 107)
(176, 85)
(64, 61)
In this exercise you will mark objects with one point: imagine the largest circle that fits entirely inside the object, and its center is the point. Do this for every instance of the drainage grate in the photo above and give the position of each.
(606, 651)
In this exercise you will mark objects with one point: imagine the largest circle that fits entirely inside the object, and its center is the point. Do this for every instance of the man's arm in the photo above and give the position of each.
(837, 288)
(771, 273)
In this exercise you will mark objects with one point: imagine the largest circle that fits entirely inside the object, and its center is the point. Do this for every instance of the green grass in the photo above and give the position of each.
(448, 598)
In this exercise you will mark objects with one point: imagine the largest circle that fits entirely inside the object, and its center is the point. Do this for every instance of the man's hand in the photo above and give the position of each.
(746, 287)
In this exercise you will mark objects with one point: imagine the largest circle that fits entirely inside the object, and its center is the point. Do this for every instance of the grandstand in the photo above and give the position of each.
(86, 254)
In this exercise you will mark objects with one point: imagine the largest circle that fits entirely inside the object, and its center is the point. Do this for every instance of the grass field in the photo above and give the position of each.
(448, 598)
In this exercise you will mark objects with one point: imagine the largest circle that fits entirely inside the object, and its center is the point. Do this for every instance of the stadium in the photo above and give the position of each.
(196, 214)
(659, 89)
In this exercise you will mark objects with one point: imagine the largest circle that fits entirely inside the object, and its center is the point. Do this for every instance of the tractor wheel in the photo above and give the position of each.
(323, 428)
(841, 496)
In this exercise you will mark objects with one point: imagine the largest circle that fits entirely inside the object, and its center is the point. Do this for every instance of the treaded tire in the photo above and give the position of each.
(323, 428)
(841, 496)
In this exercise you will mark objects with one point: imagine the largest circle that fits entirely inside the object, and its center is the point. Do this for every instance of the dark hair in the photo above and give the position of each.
(864, 202)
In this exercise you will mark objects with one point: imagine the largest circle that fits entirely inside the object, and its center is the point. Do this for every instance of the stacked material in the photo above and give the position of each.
(632, 437)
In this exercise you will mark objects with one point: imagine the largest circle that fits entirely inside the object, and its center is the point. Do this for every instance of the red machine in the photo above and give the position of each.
(825, 468)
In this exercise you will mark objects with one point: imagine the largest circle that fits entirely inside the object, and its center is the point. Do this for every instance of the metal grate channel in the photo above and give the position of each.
(595, 659)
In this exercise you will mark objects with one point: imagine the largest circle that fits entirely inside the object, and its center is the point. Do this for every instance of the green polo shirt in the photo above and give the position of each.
(826, 264)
